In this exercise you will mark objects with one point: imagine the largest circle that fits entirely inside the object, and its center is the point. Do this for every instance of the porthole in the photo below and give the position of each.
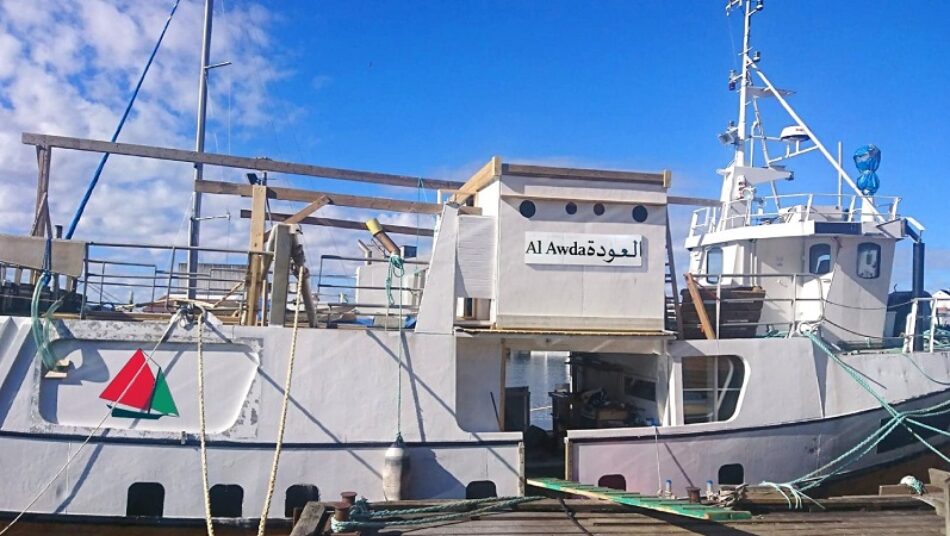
(639, 213)
(145, 499)
(227, 500)
(480, 489)
(527, 208)
(570, 207)
(599, 209)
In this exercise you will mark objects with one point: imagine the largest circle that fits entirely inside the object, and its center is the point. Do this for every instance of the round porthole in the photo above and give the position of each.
(599, 209)
(570, 208)
(527, 208)
(639, 214)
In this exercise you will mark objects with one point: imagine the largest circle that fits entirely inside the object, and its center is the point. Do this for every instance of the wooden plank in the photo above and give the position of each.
(312, 520)
(41, 211)
(214, 159)
(483, 177)
(281, 278)
(347, 224)
(254, 262)
(700, 309)
(29, 252)
(314, 206)
(678, 507)
(343, 200)
(692, 201)
(659, 179)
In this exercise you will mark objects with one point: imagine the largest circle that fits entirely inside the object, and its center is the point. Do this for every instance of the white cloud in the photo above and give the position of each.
(70, 71)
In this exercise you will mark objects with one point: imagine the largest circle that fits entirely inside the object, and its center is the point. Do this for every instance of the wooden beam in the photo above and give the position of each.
(213, 159)
(659, 179)
(692, 201)
(347, 224)
(483, 177)
(314, 206)
(700, 307)
(41, 212)
(343, 200)
(254, 262)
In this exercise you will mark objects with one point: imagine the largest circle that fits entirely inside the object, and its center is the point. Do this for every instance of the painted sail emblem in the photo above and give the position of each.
(138, 393)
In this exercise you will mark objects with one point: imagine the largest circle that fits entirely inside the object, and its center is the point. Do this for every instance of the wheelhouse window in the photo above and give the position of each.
(713, 265)
(819, 259)
(711, 388)
(869, 260)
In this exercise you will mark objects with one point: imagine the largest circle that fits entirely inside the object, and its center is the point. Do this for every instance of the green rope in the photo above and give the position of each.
(396, 269)
(836, 466)
(362, 517)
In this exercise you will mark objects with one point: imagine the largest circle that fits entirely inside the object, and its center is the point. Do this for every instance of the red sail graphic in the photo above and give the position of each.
(133, 385)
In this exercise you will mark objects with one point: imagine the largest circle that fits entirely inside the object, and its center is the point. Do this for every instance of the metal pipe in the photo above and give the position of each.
(918, 290)
(379, 234)
(194, 224)
(791, 112)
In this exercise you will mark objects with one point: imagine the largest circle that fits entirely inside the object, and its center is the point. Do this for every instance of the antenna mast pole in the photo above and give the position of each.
(740, 159)
(194, 227)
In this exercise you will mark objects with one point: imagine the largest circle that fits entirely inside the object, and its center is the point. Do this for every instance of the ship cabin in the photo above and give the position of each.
(766, 266)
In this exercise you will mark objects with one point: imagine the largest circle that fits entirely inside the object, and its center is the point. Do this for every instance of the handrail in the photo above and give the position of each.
(707, 219)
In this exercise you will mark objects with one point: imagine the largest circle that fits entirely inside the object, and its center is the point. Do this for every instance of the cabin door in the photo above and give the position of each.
(815, 280)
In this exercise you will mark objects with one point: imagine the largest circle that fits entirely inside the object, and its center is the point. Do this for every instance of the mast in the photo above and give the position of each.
(195, 222)
(744, 84)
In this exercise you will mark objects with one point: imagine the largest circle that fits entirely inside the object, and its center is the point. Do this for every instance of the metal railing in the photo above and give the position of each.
(934, 334)
(107, 274)
(344, 288)
(791, 208)
(802, 305)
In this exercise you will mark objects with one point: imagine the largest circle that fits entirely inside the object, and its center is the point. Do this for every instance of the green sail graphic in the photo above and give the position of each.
(162, 401)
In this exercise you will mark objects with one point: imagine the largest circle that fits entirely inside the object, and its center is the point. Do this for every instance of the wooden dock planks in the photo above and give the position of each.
(678, 507)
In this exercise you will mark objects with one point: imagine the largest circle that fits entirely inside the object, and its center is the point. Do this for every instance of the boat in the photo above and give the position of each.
(244, 390)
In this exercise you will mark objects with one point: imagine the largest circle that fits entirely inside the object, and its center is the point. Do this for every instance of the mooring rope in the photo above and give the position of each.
(898, 418)
(362, 517)
(203, 449)
(272, 481)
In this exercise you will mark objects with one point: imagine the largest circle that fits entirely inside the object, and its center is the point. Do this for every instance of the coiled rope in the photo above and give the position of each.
(272, 481)
(362, 517)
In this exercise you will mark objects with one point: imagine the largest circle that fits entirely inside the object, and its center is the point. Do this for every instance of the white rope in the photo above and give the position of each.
(272, 481)
(71, 457)
(201, 426)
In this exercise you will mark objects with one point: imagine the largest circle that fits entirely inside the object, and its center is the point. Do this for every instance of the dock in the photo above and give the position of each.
(879, 515)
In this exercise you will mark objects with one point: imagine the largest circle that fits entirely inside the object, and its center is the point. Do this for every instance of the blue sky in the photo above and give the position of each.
(436, 88)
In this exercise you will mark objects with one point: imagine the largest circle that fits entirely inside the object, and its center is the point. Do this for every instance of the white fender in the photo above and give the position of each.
(396, 471)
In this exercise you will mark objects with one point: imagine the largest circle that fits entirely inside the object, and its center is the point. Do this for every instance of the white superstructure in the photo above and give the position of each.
(719, 382)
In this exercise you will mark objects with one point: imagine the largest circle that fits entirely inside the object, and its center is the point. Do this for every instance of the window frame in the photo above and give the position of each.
(718, 393)
(712, 277)
(862, 248)
(813, 266)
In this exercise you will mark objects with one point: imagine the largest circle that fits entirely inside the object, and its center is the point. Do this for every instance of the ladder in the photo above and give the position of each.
(680, 507)
(674, 318)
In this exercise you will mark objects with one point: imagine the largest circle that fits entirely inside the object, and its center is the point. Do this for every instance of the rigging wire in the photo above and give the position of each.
(115, 135)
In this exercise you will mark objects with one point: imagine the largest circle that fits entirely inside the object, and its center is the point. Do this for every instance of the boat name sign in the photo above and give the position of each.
(583, 249)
